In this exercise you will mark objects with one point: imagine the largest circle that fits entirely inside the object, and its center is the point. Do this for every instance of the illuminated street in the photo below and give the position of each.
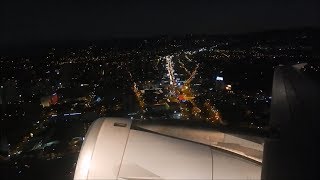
(177, 86)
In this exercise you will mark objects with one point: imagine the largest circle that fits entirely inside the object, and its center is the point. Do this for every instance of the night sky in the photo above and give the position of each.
(30, 22)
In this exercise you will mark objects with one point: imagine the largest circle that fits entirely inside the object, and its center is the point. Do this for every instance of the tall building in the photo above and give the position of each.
(219, 83)
(1, 95)
(10, 92)
(4, 146)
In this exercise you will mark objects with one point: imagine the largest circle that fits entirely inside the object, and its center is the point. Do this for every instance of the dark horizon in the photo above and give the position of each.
(41, 47)
(27, 23)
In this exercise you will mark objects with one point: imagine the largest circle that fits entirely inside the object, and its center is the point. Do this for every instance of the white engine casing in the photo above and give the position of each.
(112, 150)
